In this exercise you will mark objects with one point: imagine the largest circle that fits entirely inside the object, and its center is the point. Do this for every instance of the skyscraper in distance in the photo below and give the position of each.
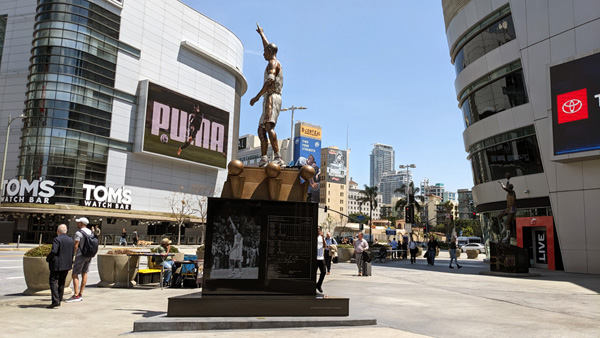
(382, 160)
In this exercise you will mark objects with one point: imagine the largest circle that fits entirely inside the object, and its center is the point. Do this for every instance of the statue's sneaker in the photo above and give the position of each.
(263, 162)
(279, 161)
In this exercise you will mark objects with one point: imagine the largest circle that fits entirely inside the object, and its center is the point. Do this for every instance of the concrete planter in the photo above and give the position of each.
(199, 254)
(345, 254)
(472, 254)
(458, 252)
(37, 277)
(113, 270)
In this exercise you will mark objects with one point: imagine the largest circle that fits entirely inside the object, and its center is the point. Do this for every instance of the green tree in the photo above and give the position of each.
(369, 196)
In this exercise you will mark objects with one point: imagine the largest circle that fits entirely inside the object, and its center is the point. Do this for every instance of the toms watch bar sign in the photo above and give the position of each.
(98, 196)
(22, 191)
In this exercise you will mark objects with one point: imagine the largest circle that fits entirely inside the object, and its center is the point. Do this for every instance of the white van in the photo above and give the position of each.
(462, 241)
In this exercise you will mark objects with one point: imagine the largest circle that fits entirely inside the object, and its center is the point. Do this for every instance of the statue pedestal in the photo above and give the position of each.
(508, 258)
(198, 305)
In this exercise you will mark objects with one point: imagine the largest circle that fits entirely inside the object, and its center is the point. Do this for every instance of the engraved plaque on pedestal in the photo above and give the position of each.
(260, 247)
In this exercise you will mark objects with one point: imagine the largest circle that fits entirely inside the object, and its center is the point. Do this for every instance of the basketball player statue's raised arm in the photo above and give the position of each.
(511, 208)
(271, 93)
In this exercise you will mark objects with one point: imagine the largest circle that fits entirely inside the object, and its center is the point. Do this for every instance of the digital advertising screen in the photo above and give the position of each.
(575, 90)
(307, 151)
(181, 127)
(336, 166)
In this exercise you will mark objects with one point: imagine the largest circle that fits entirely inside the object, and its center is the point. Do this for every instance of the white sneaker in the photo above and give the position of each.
(279, 161)
(263, 162)
(74, 299)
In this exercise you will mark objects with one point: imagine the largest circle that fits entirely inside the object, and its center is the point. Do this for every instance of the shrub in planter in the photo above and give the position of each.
(37, 272)
(345, 252)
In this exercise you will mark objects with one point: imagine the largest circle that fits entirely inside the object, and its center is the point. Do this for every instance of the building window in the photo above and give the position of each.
(491, 37)
(504, 93)
(518, 157)
(3, 20)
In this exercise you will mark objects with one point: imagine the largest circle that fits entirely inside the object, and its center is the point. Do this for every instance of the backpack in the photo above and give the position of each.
(89, 245)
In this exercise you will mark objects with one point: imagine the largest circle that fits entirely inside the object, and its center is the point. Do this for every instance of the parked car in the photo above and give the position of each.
(474, 246)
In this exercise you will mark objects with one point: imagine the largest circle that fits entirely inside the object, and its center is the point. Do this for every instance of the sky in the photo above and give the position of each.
(368, 72)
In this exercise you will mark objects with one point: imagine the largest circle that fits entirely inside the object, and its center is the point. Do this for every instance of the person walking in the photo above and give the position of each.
(321, 245)
(60, 261)
(394, 246)
(431, 251)
(360, 245)
(123, 240)
(413, 252)
(453, 254)
(328, 253)
(82, 263)
(135, 237)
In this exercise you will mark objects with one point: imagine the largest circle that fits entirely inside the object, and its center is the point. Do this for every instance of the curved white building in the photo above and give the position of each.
(521, 70)
(112, 91)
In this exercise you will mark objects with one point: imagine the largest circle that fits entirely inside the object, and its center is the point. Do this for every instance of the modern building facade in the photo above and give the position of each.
(389, 182)
(381, 160)
(526, 80)
(111, 92)
(334, 180)
(249, 150)
(466, 205)
(355, 207)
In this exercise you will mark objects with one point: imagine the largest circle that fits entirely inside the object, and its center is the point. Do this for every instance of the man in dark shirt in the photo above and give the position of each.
(60, 261)
(195, 122)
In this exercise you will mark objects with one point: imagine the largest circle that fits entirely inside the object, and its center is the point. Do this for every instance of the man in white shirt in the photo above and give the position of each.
(82, 264)
(360, 245)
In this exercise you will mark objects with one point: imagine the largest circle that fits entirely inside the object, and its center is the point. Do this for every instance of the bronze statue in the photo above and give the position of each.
(271, 93)
(511, 208)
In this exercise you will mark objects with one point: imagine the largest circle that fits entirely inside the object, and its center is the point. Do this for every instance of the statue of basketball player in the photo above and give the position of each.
(271, 93)
(510, 211)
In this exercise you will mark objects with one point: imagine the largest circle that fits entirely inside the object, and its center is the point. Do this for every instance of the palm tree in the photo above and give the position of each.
(401, 203)
(370, 196)
(449, 206)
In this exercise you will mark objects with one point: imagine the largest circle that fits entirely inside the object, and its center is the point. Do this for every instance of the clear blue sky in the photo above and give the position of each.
(380, 69)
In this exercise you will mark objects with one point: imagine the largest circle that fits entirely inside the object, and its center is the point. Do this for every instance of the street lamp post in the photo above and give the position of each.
(10, 120)
(407, 166)
(292, 108)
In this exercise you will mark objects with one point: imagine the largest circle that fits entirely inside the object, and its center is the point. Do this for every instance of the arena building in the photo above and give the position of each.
(130, 111)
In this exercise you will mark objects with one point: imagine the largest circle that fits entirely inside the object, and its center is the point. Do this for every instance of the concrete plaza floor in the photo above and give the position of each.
(407, 301)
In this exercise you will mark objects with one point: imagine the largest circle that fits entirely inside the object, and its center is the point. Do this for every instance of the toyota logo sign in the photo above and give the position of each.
(572, 106)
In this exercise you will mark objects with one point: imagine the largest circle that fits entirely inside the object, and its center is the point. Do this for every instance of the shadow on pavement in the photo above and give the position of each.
(145, 313)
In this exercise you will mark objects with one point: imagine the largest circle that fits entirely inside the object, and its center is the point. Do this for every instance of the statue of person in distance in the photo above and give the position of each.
(271, 93)
(511, 208)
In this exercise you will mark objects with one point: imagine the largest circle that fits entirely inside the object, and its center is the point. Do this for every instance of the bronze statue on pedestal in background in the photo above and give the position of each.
(271, 93)
(511, 209)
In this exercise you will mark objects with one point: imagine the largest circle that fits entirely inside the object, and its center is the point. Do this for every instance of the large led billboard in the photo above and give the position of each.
(575, 90)
(336, 166)
(307, 150)
(181, 127)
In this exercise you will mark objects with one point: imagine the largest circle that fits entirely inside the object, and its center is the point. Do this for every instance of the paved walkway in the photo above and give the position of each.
(407, 300)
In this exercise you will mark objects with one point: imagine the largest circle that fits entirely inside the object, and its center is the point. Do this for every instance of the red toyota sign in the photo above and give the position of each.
(572, 106)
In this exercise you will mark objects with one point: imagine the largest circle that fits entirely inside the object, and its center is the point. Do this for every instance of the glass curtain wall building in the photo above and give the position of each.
(503, 52)
(108, 90)
(70, 96)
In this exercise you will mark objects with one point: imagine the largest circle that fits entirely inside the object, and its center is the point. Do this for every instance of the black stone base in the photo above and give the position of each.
(196, 305)
(508, 258)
